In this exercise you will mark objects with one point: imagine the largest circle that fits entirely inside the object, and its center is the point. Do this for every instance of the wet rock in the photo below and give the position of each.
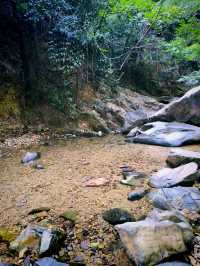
(117, 216)
(178, 198)
(40, 239)
(29, 237)
(174, 263)
(171, 134)
(49, 262)
(70, 216)
(97, 182)
(182, 175)
(131, 177)
(49, 241)
(137, 194)
(30, 156)
(150, 241)
(179, 156)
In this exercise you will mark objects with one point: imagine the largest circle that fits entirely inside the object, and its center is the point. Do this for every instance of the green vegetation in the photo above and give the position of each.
(148, 44)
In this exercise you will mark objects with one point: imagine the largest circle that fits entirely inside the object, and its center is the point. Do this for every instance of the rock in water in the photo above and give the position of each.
(117, 216)
(137, 194)
(176, 198)
(179, 156)
(172, 134)
(49, 262)
(167, 177)
(150, 241)
(30, 156)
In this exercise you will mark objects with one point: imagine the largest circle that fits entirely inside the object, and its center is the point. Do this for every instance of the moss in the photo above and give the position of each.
(70, 216)
(9, 104)
(7, 235)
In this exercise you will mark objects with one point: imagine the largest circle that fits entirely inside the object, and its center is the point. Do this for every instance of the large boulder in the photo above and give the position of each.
(185, 109)
(179, 156)
(182, 175)
(156, 238)
(179, 198)
(171, 134)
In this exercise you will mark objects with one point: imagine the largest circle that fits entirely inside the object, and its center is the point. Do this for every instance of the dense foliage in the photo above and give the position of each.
(146, 43)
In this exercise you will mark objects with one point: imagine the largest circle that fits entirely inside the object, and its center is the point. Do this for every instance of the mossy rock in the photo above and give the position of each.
(117, 216)
(7, 235)
(70, 216)
(10, 104)
(93, 122)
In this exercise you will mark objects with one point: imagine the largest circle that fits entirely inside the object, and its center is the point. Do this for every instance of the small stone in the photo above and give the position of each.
(37, 210)
(117, 216)
(84, 245)
(38, 166)
(30, 156)
(137, 194)
(97, 182)
(79, 259)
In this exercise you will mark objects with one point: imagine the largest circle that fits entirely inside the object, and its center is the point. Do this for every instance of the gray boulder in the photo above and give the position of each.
(182, 175)
(176, 198)
(185, 109)
(133, 116)
(49, 262)
(150, 241)
(137, 194)
(180, 156)
(30, 156)
(174, 263)
(172, 134)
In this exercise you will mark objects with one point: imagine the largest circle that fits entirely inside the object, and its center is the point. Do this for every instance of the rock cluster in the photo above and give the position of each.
(166, 231)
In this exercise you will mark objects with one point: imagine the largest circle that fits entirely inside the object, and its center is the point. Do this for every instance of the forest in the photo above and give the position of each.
(54, 48)
(100, 132)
